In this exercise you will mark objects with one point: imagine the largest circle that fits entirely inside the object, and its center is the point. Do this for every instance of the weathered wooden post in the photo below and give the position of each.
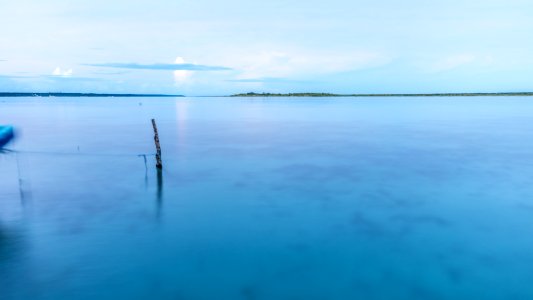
(158, 162)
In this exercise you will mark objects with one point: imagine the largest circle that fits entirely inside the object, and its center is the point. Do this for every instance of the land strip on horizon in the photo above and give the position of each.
(52, 94)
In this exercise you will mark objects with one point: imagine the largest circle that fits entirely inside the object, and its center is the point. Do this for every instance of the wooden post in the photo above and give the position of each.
(158, 162)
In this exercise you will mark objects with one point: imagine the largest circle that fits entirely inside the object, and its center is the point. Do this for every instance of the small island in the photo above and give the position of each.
(253, 94)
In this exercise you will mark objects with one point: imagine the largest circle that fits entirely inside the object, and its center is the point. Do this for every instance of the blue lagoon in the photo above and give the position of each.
(267, 198)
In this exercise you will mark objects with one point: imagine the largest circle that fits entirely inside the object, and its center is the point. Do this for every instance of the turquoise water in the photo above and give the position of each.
(329, 198)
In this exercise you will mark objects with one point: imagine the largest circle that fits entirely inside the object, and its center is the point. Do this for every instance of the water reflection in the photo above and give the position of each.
(12, 251)
(8, 244)
(19, 171)
(145, 170)
(159, 197)
(23, 178)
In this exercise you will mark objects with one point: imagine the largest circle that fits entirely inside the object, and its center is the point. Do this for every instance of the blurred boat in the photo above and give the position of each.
(6, 135)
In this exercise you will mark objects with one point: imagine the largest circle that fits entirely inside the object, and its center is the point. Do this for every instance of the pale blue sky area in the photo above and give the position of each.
(200, 47)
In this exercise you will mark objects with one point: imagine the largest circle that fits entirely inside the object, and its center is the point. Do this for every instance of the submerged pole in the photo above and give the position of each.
(158, 162)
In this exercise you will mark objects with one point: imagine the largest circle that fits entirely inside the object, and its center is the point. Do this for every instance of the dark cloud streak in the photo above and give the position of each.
(53, 77)
(161, 67)
(71, 78)
(18, 77)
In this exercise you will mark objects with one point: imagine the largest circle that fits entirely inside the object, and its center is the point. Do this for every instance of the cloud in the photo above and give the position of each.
(17, 77)
(110, 73)
(460, 60)
(180, 76)
(162, 67)
(256, 80)
(63, 73)
(51, 77)
(302, 63)
(70, 78)
(265, 80)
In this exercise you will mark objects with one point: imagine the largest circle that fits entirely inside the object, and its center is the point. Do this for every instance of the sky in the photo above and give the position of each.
(207, 47)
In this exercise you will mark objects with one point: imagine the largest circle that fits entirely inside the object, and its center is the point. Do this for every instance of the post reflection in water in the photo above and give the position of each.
(23, 178)
(159, 197)
(145, 170)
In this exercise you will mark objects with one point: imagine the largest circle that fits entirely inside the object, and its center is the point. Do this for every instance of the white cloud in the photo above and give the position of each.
(181, 76)
(286, 64)
(460, 60)
(63, 73)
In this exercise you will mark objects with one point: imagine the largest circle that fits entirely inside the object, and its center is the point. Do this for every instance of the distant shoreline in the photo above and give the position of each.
(82, 95)
(513, 94)
(381, 95)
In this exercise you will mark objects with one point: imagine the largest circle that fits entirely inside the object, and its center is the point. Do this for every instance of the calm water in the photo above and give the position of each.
(392, 198)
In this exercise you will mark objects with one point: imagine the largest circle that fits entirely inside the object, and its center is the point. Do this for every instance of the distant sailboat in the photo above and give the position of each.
(6, 135)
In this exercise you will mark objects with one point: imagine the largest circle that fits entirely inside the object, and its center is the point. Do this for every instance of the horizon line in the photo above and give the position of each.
(254, 94)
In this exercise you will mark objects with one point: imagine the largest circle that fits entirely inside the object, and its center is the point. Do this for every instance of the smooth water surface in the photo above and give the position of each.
(281, 198)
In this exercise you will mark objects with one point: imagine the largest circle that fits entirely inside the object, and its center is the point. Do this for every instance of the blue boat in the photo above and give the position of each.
(6, 135)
